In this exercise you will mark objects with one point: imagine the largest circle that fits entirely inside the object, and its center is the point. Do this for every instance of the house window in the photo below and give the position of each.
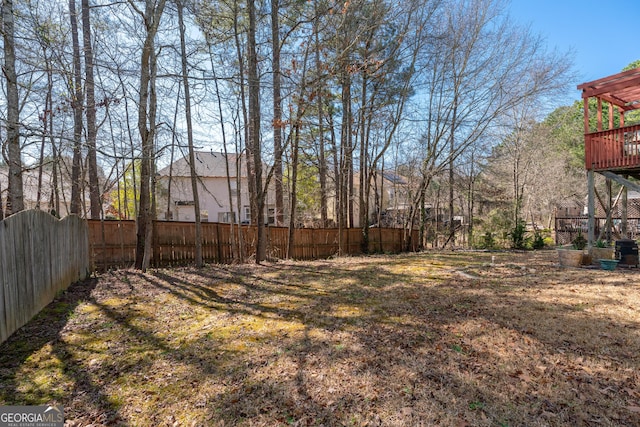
(204, 216)
(234, 188)
(271, 216)
(247, 214)
(227, 217)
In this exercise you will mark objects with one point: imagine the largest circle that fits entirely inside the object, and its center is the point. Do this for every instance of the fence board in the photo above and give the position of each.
(39, 256)
(3, 279)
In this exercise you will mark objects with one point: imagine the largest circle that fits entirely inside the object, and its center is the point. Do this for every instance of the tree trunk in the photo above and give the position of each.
(55, 191)
(364, 172)
(246, 109)
(254, 132)
(245, 125)
(346, 138)
(294, 200)
(45, 123)
(294, 156)
(1, 204)
(153, 107)
(336, 174)
(322, 161)
(169, 213)
(471, 201)
(94, 188)
(192, 158)
(235, 247)
(151, 18)
(350, 167)
(76, 105)
(277, 114)
(15, 199)
(452, 227)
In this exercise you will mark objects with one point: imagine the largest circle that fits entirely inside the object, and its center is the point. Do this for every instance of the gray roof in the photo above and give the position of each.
(394, 178)
(208, 164)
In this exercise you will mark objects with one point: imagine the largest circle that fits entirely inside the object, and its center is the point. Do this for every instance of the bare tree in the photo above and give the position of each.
(254, 143)
(531, 170)
(15, 199)
(151, 17)
(478, 68)
(1, 204)
(322, 158)
(236, 247)
(277, 112)
(302, 104)
(89, 89)
(77, 101)
(387, 79)
(192, 159)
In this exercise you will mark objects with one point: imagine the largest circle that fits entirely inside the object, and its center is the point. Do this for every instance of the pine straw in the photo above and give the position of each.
(426, 339)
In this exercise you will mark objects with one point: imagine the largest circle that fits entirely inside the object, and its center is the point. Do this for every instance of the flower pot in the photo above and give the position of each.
(601, 253)
(609, 264)
(570, 257)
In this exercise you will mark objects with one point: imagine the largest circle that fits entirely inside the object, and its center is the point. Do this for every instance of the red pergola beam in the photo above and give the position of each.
(621, 89)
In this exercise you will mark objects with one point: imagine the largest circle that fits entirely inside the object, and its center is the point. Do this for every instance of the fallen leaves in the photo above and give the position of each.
(432, 339)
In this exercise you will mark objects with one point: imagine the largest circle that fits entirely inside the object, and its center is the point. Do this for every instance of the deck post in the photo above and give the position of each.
(623, 214)
(610, 115)
(609, 209)
(591, 208)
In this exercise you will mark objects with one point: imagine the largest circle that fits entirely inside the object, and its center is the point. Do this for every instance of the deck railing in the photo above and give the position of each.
(613, 149)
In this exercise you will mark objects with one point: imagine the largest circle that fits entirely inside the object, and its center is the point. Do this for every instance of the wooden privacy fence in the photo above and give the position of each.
(39, 256)
(113, 243)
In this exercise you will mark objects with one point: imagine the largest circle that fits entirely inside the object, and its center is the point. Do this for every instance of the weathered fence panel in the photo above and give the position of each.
(112, 243)
(39, 256)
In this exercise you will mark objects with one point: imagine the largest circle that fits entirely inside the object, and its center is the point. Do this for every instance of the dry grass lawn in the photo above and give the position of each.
(441, 338)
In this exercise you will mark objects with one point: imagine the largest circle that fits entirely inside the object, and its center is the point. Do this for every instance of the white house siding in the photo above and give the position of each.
(213, 190)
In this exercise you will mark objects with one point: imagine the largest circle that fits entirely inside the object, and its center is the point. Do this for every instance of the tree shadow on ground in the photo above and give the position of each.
(43, 331)
(565, 380)
(366, 345)
(413, 329)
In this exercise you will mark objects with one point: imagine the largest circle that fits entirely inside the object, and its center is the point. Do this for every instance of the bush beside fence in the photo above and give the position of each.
(39, 256)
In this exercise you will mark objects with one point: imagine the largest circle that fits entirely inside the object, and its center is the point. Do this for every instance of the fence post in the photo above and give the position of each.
(218, 243)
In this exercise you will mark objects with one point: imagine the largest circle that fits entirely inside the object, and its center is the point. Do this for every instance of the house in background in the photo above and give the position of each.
(220, 178)
(394, 193)
(389, 199)
(48, 188)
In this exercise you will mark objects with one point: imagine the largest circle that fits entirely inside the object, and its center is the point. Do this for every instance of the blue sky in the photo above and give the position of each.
(602, 35)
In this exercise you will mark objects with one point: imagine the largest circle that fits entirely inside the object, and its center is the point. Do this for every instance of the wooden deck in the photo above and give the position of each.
(613, 147)
(614, 150)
